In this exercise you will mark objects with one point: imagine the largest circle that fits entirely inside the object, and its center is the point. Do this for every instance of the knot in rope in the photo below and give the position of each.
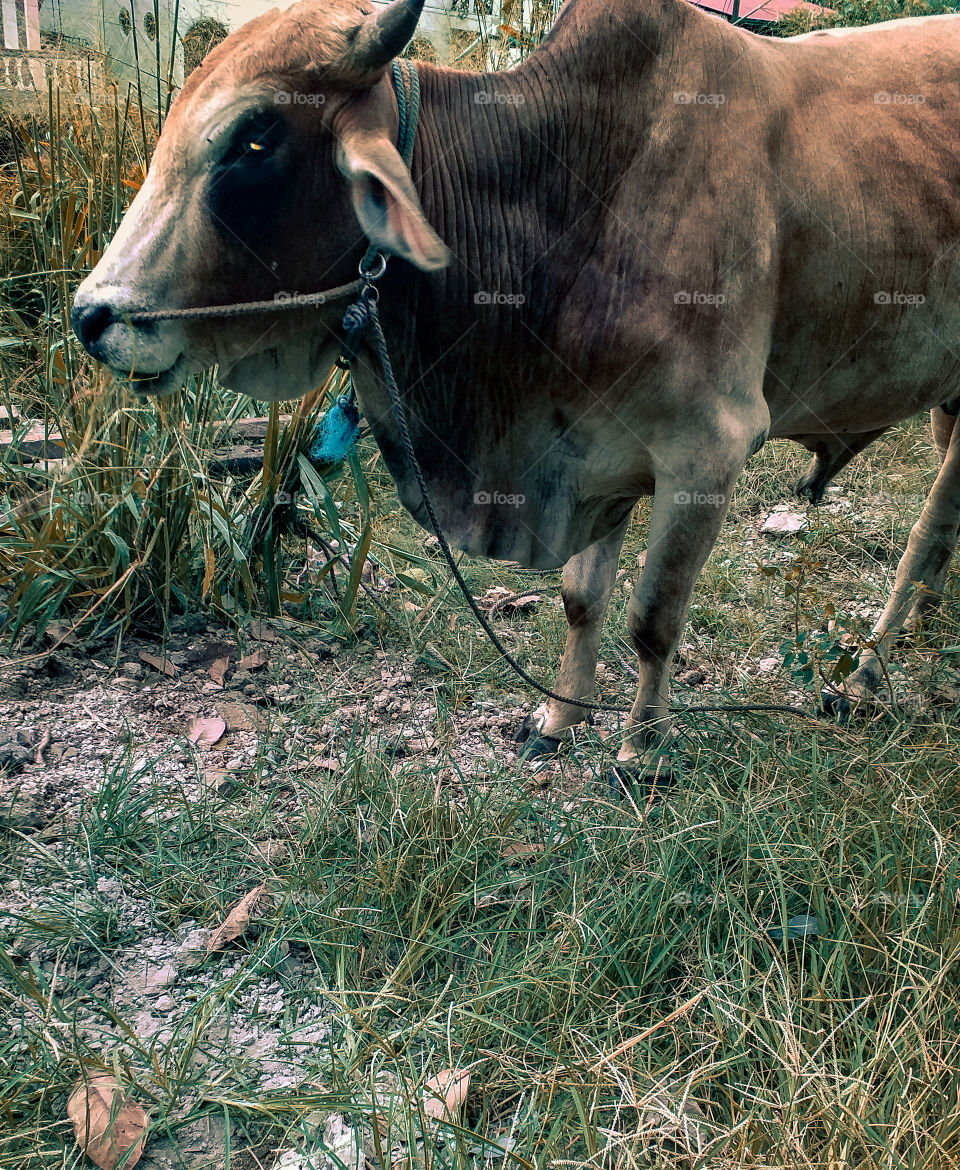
(356, 317)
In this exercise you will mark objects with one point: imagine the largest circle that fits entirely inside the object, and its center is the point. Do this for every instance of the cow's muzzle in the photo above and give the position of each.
(148, 355)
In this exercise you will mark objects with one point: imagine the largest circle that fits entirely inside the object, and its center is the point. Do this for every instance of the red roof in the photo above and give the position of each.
(757, 9)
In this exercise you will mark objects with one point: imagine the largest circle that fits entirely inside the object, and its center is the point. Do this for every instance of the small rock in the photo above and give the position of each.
(164, 1004)
(783, 523)
(156, 979)
(768, 665)
(14, 755)
(20, 810)
(193, 950)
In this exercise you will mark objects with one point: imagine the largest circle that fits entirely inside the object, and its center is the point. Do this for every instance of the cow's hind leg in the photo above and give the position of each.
(942, 419)
(588, 580)
(922, 569)
(831, 455)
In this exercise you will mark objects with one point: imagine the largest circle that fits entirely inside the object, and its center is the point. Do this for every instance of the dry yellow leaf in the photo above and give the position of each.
(521, 850)
(445, 1094)
(106, 1124)
(209, 564)
(236, 921)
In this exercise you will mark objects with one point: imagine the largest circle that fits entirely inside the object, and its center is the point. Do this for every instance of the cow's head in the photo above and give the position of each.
(276, 166)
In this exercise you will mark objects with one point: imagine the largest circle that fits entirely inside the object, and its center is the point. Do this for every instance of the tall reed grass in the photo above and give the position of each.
(126, 521)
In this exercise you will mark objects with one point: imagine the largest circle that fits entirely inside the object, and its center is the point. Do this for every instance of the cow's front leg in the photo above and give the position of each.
(687, 516)
(588, 580)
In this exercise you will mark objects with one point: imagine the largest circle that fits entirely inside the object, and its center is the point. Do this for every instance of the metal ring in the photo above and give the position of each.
(378, 269)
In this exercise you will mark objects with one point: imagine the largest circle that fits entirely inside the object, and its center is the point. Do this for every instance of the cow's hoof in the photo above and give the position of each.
(835, 706)
(527, 728)
(533, 744)
(810, 493)
(540, 745)
(641, 782)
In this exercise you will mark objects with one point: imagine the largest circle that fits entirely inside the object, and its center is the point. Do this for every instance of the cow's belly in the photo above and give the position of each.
(878, 378)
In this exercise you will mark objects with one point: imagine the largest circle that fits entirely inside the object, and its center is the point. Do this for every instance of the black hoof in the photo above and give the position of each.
(540, 745)
(810, 490)
(533, 744)
(642, 783)
(835, 706)
(525, 730)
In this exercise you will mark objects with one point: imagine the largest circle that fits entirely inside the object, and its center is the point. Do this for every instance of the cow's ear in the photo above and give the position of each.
(386, 202)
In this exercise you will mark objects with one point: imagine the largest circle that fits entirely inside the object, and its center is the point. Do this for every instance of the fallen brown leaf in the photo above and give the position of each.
(259, 657)
(521, 849)
(262, 632)
(45, 740)
(218, 669)
(238, 716)
(522, 601)
(236, 921)
(61, 633)
(206, 731)
(107, 1125)
(498, 598)
(164, 665)
(445, 1094)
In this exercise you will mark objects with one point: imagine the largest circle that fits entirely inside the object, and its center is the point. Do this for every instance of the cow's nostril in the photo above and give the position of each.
(89, 323)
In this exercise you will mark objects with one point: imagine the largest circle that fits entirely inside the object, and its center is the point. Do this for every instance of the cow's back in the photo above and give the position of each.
(868, 220)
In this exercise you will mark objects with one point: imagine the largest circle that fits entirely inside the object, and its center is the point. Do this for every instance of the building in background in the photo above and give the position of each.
(84, 45)
(146, 46)
(758, 16)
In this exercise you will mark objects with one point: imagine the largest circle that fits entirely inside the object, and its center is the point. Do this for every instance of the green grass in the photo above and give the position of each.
(609, 981)
(547, 975)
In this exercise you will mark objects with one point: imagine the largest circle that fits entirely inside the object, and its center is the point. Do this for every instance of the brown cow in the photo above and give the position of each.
(618, 269)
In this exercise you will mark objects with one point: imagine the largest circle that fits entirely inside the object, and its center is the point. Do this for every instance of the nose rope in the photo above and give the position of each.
(406, 84)
(247, 308)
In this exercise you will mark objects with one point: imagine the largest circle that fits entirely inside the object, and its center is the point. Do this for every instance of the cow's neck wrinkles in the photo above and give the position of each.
(514, 169)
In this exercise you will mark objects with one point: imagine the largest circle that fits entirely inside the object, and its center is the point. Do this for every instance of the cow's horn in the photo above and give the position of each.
(385, 34)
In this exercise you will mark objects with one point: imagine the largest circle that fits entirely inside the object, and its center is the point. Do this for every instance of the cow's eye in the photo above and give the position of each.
(254, 141)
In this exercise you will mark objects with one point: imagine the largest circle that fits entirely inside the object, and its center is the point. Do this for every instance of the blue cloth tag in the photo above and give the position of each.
(336, 433)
